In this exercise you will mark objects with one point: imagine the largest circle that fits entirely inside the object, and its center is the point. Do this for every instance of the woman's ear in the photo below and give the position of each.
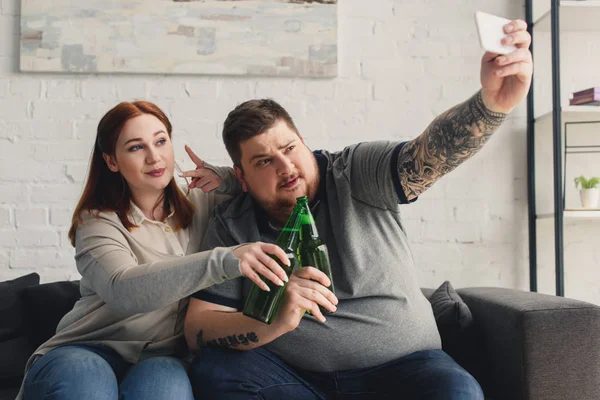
(111, 162)
(239, 174)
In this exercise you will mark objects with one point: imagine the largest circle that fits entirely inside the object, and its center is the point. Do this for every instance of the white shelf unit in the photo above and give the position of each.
(575, 213)
(573, 113)
(578, 20)
(573, 166)
(574, 16)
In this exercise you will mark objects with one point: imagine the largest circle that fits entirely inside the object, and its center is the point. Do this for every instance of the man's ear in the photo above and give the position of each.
(239, 174)
(111, 162)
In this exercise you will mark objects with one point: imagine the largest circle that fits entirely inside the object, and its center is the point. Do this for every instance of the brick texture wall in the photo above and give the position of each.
(401, 63)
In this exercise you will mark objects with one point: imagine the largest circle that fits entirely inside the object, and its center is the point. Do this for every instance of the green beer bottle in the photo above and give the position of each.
(263, 305)
(312, 250)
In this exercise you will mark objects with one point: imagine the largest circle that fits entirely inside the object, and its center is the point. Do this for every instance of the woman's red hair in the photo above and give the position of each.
(106, 190)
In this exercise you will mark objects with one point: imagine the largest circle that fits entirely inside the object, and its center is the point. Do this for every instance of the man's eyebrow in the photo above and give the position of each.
(261, 155)
(140, 139)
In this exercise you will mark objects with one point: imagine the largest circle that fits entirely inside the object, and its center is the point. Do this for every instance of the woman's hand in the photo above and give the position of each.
(202, 177)
(256, 257)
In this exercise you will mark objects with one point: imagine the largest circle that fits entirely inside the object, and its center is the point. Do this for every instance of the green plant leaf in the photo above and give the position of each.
(586, 183)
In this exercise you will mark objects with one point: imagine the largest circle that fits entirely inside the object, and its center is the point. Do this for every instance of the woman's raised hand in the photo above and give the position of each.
(255, 258)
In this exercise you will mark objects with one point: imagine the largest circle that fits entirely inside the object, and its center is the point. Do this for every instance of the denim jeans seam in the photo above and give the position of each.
(275, 360)
(359, 392)
(335, 381)
(260, 391)
(280, 384)
(37, 383)
(302, 382)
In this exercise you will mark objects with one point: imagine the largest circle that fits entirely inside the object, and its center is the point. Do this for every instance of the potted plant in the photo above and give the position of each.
(588, 193)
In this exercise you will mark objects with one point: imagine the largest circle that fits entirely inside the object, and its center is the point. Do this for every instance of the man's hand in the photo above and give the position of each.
(505, 79)
(255, 258)
(306, 290)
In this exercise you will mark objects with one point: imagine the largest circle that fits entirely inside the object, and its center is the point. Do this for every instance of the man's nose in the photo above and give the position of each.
(285, 166)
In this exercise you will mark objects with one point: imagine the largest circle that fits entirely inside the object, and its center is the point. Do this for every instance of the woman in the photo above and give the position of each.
(137, 238)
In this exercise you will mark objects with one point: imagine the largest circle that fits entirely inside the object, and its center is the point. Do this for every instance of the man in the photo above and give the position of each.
(381, 338)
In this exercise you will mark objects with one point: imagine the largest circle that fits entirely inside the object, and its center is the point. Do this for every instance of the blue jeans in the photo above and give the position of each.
(90, 372)
(259, 374)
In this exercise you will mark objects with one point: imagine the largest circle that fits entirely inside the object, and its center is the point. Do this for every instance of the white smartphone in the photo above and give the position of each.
(490, 29)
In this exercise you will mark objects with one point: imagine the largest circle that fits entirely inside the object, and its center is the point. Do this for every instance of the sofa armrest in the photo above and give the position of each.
(537, 346)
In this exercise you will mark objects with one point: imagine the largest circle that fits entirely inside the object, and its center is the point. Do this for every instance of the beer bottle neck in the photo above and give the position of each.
(309, 228)
(290, 234)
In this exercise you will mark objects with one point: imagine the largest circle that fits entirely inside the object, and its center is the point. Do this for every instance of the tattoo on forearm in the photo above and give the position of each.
(231, 342)
(447, 142)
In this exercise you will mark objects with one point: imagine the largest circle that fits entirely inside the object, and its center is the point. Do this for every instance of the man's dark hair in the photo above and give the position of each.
(250, 119)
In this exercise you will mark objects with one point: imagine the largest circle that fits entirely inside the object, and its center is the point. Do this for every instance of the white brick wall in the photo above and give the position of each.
(400, 64)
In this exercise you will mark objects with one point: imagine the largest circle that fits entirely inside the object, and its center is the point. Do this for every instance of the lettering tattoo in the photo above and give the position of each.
(231, 342)
(448, 141)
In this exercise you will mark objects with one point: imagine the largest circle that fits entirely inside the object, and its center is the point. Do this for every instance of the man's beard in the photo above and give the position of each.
(280, 209)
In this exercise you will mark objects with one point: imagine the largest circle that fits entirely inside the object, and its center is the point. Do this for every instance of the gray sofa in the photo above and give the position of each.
(520, 345)
(534, 346)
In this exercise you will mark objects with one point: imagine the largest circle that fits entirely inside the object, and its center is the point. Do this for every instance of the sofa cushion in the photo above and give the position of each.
(460, 336)
(11, 307)
(45, 305)
(449, 310)
(15, 353)
(15, 346)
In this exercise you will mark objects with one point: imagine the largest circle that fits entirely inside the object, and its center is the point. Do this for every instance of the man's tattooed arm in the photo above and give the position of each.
(447, 142)
(226, 327)
(231, 342)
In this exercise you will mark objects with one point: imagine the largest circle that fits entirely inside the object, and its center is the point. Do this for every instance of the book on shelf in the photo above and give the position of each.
(586, 92)
(588, 100)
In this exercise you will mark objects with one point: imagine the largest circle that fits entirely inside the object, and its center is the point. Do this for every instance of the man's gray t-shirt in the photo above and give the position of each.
(382, 314)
